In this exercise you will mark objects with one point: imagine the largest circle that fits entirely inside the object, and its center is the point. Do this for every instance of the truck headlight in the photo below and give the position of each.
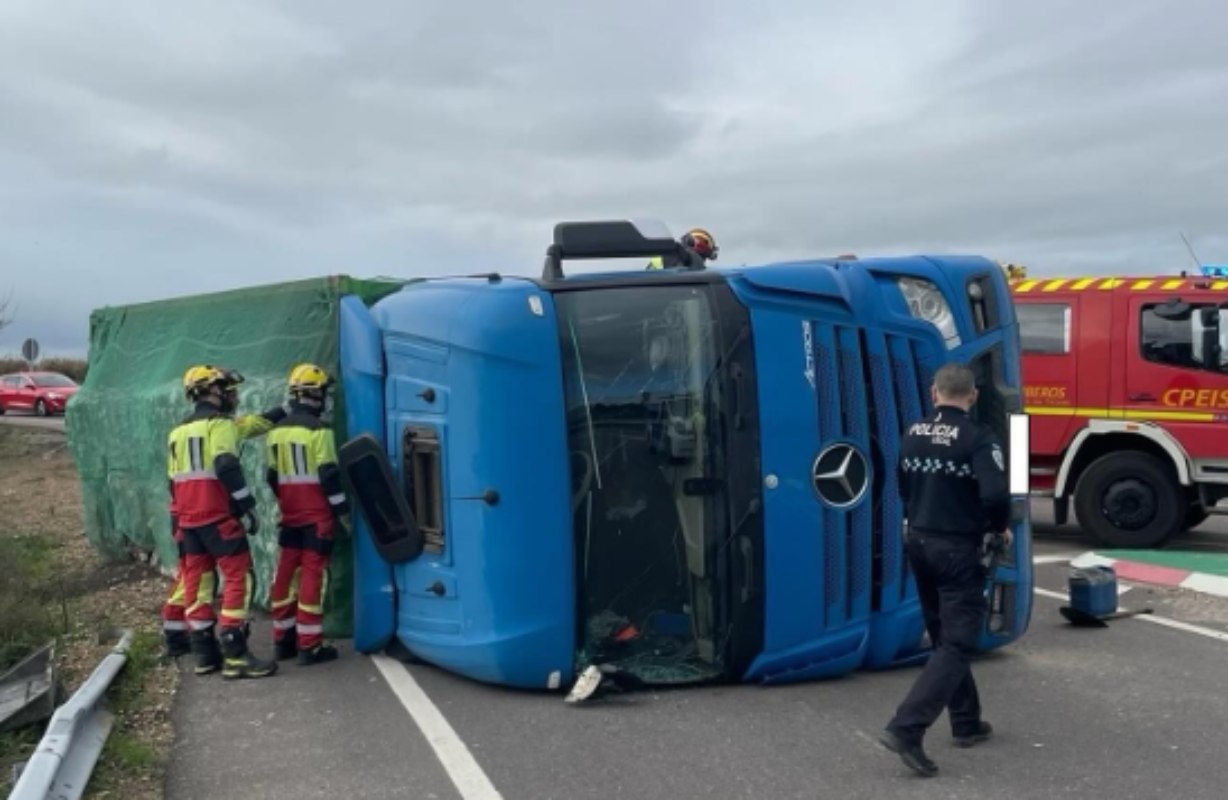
(926, 302)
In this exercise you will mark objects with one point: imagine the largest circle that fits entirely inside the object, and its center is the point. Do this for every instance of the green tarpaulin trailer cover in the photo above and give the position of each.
(133, 395)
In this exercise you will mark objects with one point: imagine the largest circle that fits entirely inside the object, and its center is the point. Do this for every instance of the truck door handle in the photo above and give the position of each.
(1142, 396)
(437, 588)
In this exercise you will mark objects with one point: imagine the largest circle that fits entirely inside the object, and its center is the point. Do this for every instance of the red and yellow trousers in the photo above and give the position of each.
(301, 581)
(218, 547)
(174, 610)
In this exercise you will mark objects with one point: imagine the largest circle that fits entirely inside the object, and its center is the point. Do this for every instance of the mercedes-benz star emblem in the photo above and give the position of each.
(841, 475)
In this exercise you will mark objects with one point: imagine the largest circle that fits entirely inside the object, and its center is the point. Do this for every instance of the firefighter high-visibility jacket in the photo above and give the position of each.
(207, 483)
(302, 471)
(247, 426)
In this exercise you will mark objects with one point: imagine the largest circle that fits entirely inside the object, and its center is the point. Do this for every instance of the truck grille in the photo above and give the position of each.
(878, 393)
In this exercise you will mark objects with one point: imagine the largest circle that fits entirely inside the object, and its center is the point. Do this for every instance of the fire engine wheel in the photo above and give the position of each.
(1130, 500)
(1195, 516)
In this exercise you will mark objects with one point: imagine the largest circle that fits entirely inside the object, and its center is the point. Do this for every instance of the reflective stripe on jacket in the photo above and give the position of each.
(302, 459)
(202, 465)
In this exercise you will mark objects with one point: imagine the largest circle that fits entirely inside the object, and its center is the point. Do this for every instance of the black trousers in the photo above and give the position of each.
(951, 586)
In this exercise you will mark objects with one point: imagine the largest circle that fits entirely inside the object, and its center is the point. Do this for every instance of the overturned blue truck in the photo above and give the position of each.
(686, 472)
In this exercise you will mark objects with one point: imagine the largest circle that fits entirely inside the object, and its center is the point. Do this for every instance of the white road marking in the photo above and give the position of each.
(1208, 584)
(1210, 633)
(1185, 626)
(460, 764)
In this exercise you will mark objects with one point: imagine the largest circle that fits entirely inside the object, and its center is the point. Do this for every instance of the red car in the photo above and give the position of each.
(44, 393)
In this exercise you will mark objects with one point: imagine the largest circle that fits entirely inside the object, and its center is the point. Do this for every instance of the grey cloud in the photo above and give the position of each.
(188, 148)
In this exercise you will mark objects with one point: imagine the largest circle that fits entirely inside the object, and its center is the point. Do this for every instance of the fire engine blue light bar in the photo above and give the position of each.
(1020, 472)
(1215, 270)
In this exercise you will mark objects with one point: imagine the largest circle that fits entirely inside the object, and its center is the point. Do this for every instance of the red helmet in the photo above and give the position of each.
(701, 242)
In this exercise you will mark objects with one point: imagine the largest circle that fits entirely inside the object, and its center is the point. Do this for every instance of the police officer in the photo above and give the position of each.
(953, 483)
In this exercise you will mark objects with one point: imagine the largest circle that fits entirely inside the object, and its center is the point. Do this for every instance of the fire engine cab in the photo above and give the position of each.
(1126, 385)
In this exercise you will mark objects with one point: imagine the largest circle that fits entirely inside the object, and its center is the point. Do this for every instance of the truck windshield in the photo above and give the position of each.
(643, 391)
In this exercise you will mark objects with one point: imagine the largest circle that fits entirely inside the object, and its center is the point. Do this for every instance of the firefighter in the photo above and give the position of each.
(953, 483)
(174, 610)
(699, 243)
(303, 473)
(215, 515)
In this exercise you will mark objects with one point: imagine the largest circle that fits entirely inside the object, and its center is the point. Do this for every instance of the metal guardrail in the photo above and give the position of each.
(61, 765)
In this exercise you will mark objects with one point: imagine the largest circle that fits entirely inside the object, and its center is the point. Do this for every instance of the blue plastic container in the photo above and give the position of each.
(1094, 590)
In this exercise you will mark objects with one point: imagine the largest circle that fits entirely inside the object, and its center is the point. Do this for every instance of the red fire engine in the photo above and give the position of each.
(1126, 386)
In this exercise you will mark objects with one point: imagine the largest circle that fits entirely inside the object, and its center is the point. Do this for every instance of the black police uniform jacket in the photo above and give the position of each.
(952, 476)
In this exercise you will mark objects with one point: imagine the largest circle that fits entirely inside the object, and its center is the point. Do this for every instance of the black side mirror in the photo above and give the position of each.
(370, 481)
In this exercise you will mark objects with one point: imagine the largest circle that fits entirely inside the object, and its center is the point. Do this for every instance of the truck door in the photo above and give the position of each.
(1048, 330)
(400, 486)
(1170, 375)
(418, 400)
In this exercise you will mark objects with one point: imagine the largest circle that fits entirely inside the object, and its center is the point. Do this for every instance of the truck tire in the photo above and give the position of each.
(1130, 500)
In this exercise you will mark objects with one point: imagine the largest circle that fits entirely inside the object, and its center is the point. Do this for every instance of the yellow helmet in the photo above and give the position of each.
(308, 378)
(201, 377)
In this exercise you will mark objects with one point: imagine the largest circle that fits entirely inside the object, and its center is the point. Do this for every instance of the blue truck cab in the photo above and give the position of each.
(688, 473)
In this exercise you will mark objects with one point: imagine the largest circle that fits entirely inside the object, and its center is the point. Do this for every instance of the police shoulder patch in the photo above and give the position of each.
(997, 458)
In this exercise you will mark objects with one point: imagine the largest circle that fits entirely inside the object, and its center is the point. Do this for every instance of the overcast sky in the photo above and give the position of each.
(152, 149)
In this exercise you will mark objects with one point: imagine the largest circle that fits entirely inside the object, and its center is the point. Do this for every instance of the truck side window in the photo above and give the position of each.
(1167, 341)
(424, 485)
(1044, 327)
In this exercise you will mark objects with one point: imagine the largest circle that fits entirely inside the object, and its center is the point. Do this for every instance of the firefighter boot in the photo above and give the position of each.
(317, 655)
(238, 661)
(208, 656)
(177, 644)
(288, 646)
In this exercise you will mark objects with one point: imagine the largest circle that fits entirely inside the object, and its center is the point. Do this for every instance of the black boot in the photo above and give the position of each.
(982, 733)
(238, 661)
(317, 655)
(913, 755)
(208, 655)
(177, 643)
(287, 647)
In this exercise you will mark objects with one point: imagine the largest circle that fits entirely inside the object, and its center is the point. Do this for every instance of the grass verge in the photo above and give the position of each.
(53, 586)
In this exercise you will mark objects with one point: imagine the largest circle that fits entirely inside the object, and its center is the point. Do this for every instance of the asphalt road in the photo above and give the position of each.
(31, 421)
(1137, 710)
